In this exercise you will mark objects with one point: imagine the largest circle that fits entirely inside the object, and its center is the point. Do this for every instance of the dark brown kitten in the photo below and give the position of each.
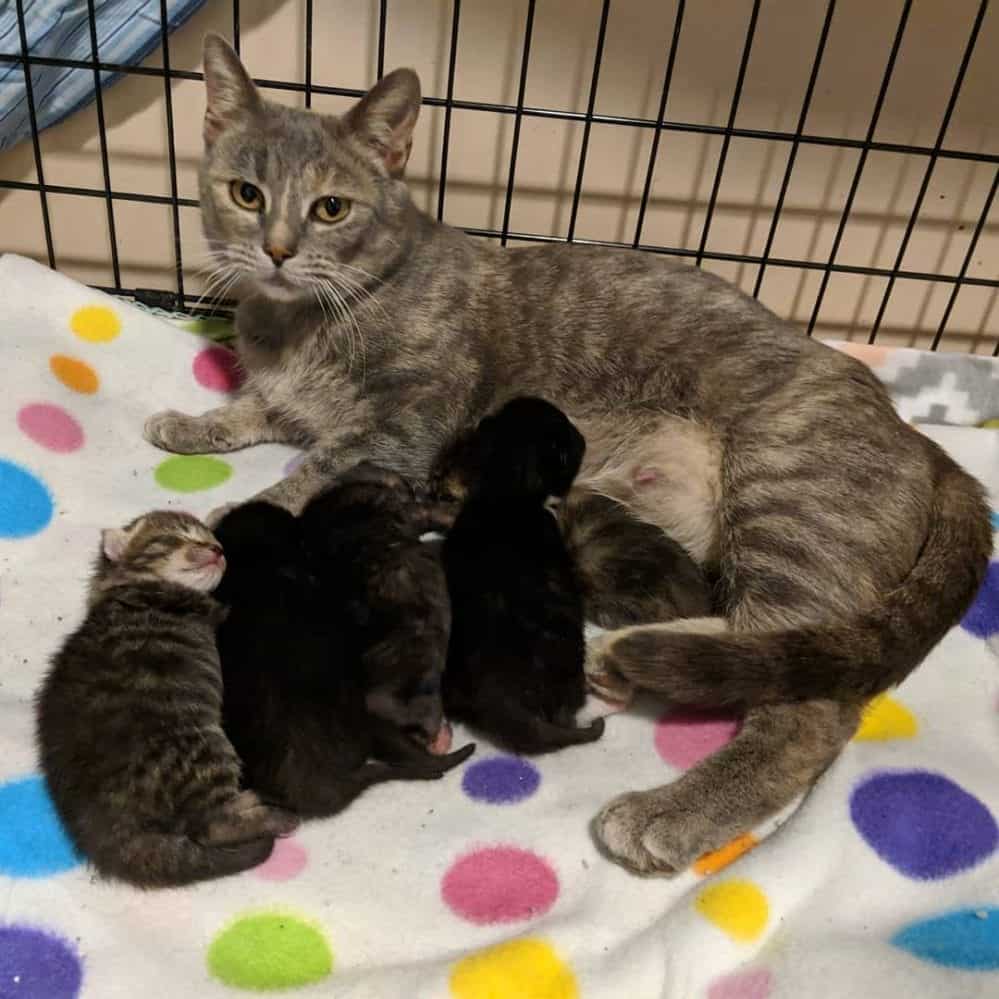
(129, 718)
(389, 591)
(295, 689)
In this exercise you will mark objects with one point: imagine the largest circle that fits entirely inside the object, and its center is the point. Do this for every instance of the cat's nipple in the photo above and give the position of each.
(645, 476)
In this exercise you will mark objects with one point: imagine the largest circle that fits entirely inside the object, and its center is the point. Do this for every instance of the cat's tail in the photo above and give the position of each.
(855, 659)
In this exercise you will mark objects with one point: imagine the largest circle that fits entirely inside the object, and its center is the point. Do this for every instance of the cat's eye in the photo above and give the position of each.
(331, 209)
(247, 196)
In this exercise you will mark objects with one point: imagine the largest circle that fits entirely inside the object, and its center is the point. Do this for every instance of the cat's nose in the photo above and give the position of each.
(278, 253)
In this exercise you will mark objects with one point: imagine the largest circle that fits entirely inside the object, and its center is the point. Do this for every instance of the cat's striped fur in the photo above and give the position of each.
(846, 543)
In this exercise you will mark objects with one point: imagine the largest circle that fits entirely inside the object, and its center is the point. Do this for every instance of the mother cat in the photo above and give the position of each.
(846, 542)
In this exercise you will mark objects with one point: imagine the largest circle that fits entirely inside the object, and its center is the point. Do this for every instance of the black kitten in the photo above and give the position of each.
(515, 662)
(390, 591)
(294, 701)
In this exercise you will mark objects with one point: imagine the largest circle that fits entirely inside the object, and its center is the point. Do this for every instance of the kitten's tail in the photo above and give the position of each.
(163, 860)
(851, 660)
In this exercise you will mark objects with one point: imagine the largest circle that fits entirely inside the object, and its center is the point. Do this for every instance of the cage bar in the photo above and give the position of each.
(515, 145)
(448, 107)
(928, 173)
(865, 149)
(733, 111)
(171, 149)
(594, 83)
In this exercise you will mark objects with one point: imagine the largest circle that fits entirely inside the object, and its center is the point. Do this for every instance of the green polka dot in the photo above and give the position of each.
(270, 950)
(190, 473)
(213, 329)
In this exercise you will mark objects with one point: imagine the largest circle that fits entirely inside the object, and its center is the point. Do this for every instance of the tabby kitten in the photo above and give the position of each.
(294, 702)
(515, 662)
(129, 717)
(844, 542)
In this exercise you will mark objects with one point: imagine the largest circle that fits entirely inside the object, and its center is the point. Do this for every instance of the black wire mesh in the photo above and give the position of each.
(179, 298)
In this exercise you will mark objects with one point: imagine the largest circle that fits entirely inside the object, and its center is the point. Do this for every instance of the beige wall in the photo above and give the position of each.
(630, 81)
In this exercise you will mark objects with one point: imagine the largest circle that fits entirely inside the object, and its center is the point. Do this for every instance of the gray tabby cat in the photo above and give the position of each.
(846, 543)
(129, 717)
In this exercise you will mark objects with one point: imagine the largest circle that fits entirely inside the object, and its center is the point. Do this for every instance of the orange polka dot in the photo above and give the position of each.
(74, 374)
(713, 862)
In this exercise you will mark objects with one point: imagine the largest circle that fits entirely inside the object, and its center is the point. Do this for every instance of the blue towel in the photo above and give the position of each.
(127, 31)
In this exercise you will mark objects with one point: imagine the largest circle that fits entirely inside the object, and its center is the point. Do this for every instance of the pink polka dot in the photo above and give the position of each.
(499, 884)
(685, 738)
(752, 984)
(51, 426)
(287, 860)
(218, 368)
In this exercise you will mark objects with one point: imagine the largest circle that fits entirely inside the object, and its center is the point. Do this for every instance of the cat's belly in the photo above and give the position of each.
(667, 473)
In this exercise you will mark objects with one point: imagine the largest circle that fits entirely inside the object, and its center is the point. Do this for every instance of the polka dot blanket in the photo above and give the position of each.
(884, 881)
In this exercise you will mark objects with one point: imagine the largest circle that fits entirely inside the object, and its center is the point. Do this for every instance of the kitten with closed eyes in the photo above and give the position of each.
(515, 661)
(294, 702)
(129, 717)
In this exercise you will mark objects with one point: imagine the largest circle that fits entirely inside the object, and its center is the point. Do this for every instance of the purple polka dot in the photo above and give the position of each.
(501, 780)
(922, 823)
(293, 464)
(982, 620)
(36, 964)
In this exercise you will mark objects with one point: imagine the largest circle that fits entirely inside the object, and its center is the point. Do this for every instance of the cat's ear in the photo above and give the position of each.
(385, 116)
(114, 540)
(230, 91)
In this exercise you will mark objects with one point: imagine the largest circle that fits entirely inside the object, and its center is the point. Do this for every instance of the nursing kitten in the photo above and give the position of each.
(390, 593)
(631, 573)
(129, 717)
(294, 702)
(515, 662)
(845, 542)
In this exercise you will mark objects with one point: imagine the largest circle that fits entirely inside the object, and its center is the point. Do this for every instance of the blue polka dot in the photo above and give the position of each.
(922, 823)
(995, 519)
(501, 780)
(967, 939)
(25, 502)
(982, 619)
(36, 964)
(32, 841)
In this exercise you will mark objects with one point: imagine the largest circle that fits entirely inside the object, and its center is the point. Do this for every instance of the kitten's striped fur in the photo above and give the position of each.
(129, 718)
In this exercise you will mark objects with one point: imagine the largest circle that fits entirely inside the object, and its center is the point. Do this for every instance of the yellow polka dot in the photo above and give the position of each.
(74, 374)
(712, 863)
(991, 424)
(517, 969)
(884, 718)
(95, 323)
(738, 908)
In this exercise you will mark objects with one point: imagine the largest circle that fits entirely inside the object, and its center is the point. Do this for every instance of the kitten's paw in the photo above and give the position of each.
(602, 681)
(183, 434)
(641, 833)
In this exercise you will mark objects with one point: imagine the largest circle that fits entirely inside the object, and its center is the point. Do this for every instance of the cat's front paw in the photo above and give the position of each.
(183, 434)
(640, 831)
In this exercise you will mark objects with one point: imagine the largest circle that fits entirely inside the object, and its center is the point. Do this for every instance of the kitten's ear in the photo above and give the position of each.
(385, 116)
(231, 92)
(114, 540)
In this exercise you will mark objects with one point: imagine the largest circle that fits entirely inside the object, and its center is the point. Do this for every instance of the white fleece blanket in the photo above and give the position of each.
(884, 882)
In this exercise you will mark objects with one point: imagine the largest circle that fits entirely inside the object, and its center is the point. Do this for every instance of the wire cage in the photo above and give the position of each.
(836, 158)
